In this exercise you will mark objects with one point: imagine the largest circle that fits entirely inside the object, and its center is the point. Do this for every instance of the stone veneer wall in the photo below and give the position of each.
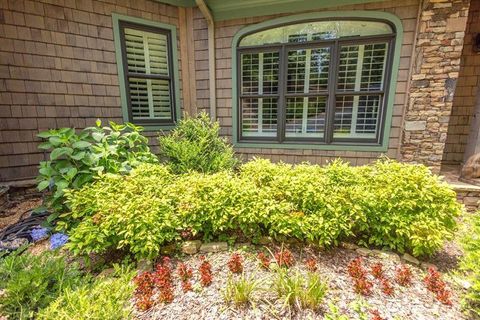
(466, 93)
(434, 76)
(58, 69)
(406, 10)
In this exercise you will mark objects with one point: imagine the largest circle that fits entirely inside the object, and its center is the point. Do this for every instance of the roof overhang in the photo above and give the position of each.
(234, 9)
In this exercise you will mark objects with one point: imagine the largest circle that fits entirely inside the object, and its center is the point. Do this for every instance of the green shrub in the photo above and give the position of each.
(470, 264)
(195, 145)
(407, 208)
(104, 299)
(32, 282)
(76, 159)
(134, 212)
(403, 207)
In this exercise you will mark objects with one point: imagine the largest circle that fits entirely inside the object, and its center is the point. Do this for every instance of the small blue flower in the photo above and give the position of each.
(57, 240)
(38, 234)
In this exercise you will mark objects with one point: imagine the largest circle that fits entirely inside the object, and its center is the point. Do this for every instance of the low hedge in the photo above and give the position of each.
(386, 204)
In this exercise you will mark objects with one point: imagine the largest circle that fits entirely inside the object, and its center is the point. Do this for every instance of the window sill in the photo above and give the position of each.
(150, 128)
(332, 147)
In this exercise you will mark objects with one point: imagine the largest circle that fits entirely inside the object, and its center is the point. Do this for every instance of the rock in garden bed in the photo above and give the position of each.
(413, 302)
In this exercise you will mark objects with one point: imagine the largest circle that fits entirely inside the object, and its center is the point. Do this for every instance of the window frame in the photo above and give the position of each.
(328, 142)
(120, 22)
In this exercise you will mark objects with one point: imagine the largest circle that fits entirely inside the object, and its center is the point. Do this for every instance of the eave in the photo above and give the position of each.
(234, 9)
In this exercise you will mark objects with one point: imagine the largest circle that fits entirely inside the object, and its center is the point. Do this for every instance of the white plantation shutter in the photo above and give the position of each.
(361, 70)
(148, 75)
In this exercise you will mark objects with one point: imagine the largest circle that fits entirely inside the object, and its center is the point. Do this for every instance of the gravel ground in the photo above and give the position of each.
(410, 303)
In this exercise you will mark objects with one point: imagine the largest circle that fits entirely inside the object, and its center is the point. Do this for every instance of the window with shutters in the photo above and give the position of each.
(321, 82)
(148, 75)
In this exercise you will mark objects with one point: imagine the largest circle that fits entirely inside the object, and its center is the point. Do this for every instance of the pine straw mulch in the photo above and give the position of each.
(412, 303)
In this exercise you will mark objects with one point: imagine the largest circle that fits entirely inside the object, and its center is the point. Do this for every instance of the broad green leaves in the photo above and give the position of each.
(76, 159)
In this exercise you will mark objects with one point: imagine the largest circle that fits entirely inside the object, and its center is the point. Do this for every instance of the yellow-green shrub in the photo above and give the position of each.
(400, 206)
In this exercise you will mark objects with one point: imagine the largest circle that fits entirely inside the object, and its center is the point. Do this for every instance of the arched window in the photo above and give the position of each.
(321, 82)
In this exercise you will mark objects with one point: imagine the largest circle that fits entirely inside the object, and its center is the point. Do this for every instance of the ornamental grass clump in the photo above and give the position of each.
(239, 291)
(386, 204)
(300, 290)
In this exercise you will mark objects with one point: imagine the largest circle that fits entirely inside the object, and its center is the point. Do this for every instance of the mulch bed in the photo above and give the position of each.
(18, 208)
(414, 302)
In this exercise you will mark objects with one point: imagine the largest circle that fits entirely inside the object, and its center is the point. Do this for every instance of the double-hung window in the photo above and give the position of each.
(148, 74)
(321, 82)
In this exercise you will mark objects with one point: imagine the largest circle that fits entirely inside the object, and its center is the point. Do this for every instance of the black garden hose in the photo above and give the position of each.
(22, 228)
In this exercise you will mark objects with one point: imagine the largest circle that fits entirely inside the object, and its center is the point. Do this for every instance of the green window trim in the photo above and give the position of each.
(117, 19)
(393, 20)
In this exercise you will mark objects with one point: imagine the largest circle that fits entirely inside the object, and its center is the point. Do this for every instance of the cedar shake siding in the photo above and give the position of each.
(58, 69)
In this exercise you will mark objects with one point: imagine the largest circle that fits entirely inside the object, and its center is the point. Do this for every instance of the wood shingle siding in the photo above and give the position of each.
(58, 69)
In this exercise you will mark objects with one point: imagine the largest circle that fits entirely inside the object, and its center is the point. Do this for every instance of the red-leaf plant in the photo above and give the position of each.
(376, 315)
(355, 268)
(361, 284)
(144, 290)
(311, 265)
(387, 287)
(185, 273)
(163, 279)
(403, 275)
(205, 270)
(264, 260)
(377, 270)
(433, 281)
(284, 258)
(235, 264)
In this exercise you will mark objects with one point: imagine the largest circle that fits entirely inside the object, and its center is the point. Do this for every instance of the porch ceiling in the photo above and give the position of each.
(232, 9)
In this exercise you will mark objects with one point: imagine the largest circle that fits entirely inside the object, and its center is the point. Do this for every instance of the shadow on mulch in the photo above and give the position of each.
(448, 258)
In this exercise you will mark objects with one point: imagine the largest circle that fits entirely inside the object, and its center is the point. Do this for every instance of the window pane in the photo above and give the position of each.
(259, 117)
(307, 70)
(259, 73)
(357, 116)
(305, 116)
(315, 31)
(150, 98)
(146, 52)
(362, 67)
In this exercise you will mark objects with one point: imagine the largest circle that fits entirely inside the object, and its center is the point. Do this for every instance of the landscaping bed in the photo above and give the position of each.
(201, 236)
(413, 302)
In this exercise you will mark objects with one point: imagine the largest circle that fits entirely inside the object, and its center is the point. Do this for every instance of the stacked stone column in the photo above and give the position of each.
(435, 72)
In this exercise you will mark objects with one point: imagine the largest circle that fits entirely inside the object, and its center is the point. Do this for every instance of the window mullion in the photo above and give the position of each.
(332, 85)
(281, 94)
(306, 86)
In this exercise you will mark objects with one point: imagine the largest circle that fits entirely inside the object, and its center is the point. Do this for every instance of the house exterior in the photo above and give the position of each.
(290, 80)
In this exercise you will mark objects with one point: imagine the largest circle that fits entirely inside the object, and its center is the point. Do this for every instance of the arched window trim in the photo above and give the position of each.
(380, 144)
